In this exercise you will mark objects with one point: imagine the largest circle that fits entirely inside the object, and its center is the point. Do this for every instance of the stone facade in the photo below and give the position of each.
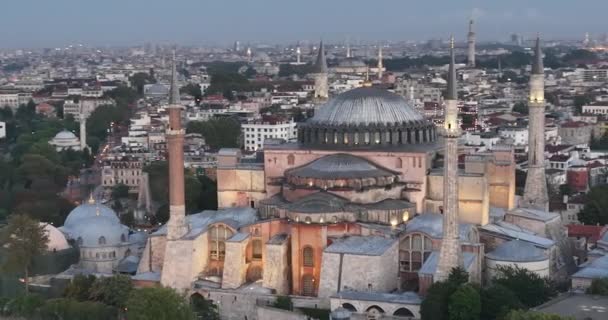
(277, 264)
(234, 276)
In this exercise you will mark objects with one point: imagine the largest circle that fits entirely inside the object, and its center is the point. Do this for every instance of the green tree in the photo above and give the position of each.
(599, 287)
(120, 191)
(531, 289)
(520, 107)
(113, 291)
(194, 90)
(25, 238)
(218, 133)
(140, 79)
(531, 315)
(204, 309)
(496, 301)
(283, 302)
(595, 210)
(580, 101)
(79, 288)
(69, 309)
(23, 306)
(158, 304)
(465, 304)
(435, 305)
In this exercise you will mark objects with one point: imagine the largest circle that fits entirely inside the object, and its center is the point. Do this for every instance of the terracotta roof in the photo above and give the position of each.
(593, 233)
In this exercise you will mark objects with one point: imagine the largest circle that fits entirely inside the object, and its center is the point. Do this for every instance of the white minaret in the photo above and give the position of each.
(298, 55)
(450, 256)
(380, 64)
(471, 43)
(321, 75)
(83, 131)
(348, 53)
(249, 55)
(535, 192)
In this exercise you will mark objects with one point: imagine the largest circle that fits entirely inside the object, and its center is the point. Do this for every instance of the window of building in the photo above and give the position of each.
(217, 244)
(291, 159)
(123, 238)
(256, 249)
(307, 257)
(399, 163)
(413, 252)
(102, 240)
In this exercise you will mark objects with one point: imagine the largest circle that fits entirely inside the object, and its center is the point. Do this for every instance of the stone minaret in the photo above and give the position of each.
(471, 42)
(83, 130)
(321, 74)
(450, 253)
(249, 54)
(380, 64)
(348, 53)
(535, 192)
(175, 252)
(298, 55)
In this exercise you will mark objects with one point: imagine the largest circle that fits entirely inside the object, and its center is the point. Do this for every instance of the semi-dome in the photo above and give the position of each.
(89, 210)
(341, 166)
(100, 231)
(517, 251)
(365, 117)
(57, 239)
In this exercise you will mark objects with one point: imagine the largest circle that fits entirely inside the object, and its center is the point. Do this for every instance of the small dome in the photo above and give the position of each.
(367, 106)
(57, 239)
(89, 210)
(352, 63)
(517, 251)
(100, 231)
(65, 135)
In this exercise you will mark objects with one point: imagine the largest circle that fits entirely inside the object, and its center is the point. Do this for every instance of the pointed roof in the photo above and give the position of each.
(452, 93)
(174, 98)
(537, 64)
(321, 63)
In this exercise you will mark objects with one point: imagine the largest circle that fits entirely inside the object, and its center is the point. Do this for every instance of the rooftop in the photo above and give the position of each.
(358, 245)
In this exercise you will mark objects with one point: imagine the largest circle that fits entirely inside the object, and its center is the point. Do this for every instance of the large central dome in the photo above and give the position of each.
(366, 106)
(366, 118)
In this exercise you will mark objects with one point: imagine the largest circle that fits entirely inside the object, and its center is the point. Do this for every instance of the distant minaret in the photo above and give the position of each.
(499, 67)
(249, 56)
(348, 53)
(450, 252)
(298, 55)
(83, 131)
(237, 46)
(535, 192)
(471, 42)
(321, 75)
(587, 40)
(380, 64)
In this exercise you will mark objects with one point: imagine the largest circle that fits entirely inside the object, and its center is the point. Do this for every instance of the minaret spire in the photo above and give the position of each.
(535, 191)
(174, 98)
(348, 53)
(450, 252)
(321, 74)
(380, 63)
(471, 45)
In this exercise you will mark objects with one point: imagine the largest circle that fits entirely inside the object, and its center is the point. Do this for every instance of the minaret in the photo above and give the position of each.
(471, 42)
(499, 67)
(348, 53)
(175, 144)
(321, 81)
(83, 131)
(249, 56)
(298, 55)
(450, 252)
(380, 64)
(535, 192)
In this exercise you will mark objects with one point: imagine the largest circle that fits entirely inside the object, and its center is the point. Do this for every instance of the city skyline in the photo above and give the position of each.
(193, 22)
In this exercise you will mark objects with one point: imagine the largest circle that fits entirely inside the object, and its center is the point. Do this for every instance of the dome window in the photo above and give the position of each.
(102, 240)
(123, 238)
(79, 241)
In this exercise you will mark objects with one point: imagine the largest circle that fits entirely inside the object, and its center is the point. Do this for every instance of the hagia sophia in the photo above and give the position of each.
(365, 211)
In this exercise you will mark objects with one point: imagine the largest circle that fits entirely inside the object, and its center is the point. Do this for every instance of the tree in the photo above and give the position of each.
(158, 304)
(496, 301)
(599, 287)
(113, 291)
(580, 101)
(465, 304)
(531, 289)
(218, 133)
(595, 210)
(520, 107)
(194, 90)
(25, 239)
(120, 191)
(204, 309)
(69, 309)
(436, 304)
(79, 288)
(140, 79)
(530, 315)
(283, 302)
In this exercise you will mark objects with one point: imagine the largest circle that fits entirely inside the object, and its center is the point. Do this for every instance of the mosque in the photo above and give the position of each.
(370, 207)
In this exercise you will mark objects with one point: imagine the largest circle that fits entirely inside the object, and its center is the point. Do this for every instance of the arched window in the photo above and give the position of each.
(414, 250)
(349, 307)
(217, 242)
(307, 220)
(127, 253)
(308, 259)
(79, 241)
(291, 159)
(97, 255)
(256, 249)
(102, 240)
(123, 238)
(399, 163)
(308, 285)
(403, 312)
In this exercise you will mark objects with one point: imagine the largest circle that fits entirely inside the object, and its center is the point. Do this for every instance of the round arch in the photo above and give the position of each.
(349, 307)
(403, 312)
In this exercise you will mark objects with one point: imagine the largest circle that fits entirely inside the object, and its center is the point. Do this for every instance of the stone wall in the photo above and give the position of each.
(278, 314)
(276, 267)
(473, 196)
(234, 275)
(153, 255)
(177, 267)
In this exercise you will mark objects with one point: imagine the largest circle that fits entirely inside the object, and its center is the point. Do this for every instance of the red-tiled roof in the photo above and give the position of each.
(593, 233)
(574, 124)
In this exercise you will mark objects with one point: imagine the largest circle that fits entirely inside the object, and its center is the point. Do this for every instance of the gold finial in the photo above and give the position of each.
(91, 199)
(452, 42)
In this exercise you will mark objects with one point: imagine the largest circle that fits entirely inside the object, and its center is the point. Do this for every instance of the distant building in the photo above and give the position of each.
(255, 132)
(127, 172)
(601, 109)
(65, 140)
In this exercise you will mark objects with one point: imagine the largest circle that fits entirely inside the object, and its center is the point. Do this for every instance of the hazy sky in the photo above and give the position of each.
(46, 23)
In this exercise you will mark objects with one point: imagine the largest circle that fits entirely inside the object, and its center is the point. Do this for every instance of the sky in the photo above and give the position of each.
(49, 23)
